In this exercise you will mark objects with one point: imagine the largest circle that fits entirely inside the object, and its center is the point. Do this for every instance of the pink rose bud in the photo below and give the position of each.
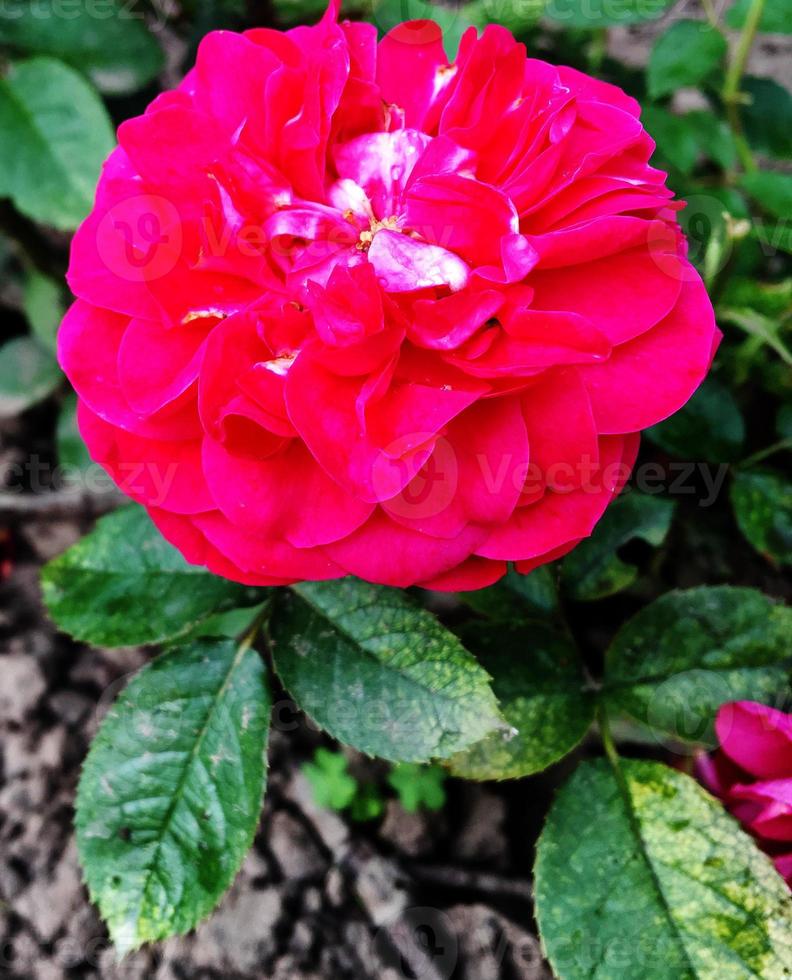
(752, 774)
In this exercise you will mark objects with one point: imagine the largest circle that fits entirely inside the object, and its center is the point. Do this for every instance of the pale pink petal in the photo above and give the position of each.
(404, 264)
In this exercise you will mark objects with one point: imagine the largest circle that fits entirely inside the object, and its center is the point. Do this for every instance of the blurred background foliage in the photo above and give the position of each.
(710, 80)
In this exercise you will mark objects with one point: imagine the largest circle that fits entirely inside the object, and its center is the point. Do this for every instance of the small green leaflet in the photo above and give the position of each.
(56, 133)
(762, 502)
(538, 679)
(124, 584)
(331, 783)
(419, 787)
(171, 791)
(378, 672)
(594, 570)
(643, 874)
(28, 374)
(672, 665)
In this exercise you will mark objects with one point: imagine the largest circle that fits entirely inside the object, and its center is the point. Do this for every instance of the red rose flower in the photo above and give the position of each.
(752, 774)
(346, 308)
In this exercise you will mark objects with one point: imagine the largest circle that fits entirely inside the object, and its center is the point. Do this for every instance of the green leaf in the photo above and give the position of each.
(776, 16)
(124, 584)
(645, 875)
(378, 672)
(594, 570)
(672, 665)
(418, 787)
(709, 427)
(115, 50)
(773, 191)
(538, 679)
(684, 55)
(605, 13)
(73, 454)
(171, 791)
(516, 597)
(43, 304)
(676, 137)
(56, 133)
(762, 504)
(28, 373)
(332, 786)
(767, 118)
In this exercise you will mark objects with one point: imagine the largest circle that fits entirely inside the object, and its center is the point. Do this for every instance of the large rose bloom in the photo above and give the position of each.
(346, 308)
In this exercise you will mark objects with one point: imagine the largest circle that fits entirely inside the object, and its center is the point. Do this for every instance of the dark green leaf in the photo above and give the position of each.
(171, 791)
(762, 504)
(605, 13)
(673, 664)
(43, 304)
(124, 584)
(517, 597)
(115, 50)
(378, 672)
(646, 876)
(767, 118)
(684, 55)
(709, 427)
(538, 680)
(776, 16)
(594, 570)
(56, 133)
(28, 373)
